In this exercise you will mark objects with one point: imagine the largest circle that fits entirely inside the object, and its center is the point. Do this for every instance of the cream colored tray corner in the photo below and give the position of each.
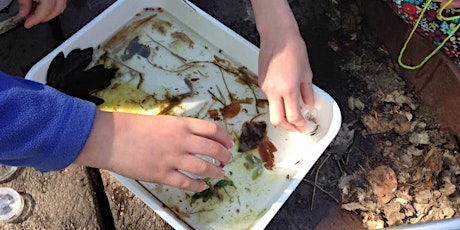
(252, 203)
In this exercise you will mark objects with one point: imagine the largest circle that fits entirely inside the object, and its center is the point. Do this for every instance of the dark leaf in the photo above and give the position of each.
(69, 75)
(134, 47)
(252, 134)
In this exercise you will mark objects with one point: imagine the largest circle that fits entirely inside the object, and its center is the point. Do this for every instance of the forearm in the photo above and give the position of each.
(284, 69)
(274, 17)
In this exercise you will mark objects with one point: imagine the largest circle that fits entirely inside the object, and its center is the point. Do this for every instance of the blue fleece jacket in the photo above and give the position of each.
(40, 126)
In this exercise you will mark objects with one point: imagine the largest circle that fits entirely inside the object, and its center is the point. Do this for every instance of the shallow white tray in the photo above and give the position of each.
(296, 153)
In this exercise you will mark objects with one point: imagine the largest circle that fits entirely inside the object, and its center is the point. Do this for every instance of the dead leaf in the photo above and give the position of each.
(355, 103)
(383, 182)
(231, 110)
(400, 124)
(161, 26)
(448, 189)
(400, 99)
(421, 138)
(433, 160)
(334, 46)
(374, 125)
(179, 36)
(353, 206)
(393, 214)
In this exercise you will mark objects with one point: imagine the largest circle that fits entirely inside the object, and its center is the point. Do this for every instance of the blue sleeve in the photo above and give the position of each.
(40, 126)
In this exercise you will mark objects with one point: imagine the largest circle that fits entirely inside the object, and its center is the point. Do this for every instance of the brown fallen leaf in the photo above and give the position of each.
(433, 160)
(231, 110)
(374, 125)
(383, 182)
(266, 150)
(400, 124)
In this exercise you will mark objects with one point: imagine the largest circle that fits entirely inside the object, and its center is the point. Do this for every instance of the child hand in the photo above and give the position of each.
(36, 12)
(286, 79)
(155, 148)
(285, 75)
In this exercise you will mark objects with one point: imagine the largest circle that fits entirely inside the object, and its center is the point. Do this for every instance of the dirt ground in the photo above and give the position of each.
(389, 165)
(395, 166)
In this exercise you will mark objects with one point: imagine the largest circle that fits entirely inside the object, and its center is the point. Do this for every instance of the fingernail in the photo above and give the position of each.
(221, 166)
(231, 146)
(231, 157)
(203, 186)
(222, 173)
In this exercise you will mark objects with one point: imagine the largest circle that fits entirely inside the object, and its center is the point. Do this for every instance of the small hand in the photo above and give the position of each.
(43, 11)
(285, 77)
(155, 148)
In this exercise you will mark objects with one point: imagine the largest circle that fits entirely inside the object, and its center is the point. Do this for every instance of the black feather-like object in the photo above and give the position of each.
(71, 76)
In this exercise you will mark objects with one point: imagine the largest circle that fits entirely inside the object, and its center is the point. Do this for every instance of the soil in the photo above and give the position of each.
(396, 166)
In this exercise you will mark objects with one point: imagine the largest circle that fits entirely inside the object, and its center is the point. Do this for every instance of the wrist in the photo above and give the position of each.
(98, 147)
(274, 18)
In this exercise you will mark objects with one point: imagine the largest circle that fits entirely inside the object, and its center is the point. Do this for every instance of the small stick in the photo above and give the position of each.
(323, 190)
(316, 180)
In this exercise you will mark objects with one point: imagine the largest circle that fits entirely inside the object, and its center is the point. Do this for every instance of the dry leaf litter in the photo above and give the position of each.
(413, 174)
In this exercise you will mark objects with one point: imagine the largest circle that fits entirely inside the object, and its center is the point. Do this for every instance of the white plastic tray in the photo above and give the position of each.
(296, 153)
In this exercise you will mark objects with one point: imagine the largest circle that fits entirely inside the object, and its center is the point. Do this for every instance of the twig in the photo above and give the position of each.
(323, 190)
(215, 98)
(375, 80)
(166, 48)
(316, 180)
(10, 23)
(338, 165)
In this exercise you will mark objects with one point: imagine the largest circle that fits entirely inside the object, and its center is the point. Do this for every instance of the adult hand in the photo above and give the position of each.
(155, 148)
(285, 75)
(36, 12)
